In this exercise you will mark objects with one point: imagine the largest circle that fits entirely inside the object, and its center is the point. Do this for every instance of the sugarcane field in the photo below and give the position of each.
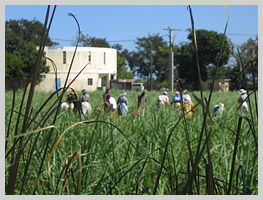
(167, 113)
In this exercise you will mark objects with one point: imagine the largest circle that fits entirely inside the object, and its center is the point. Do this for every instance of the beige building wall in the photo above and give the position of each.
(219, 85)
(99, 62)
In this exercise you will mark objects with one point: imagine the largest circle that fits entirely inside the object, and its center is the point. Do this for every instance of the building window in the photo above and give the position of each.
(57, 84)
(104, 58)
(89, 81)
(89, 56)
(64, 57)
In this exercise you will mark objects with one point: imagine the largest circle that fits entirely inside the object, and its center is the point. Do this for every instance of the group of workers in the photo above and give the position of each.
(110, 103)
(73, 102)
(120, 107)
(181, 103)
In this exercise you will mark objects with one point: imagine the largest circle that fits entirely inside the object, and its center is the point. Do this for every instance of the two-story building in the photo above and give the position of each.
(101, 65)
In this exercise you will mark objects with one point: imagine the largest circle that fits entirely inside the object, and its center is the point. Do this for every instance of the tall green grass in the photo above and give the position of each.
(156, 152)
(108, 155)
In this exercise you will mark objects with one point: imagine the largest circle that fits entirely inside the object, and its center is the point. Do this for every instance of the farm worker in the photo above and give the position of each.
(113, 106)
(242, 100)
(72, 99)
(177, 100)
(106, 99)
(122, 104)
(85, 105)
(187, 104)
(218, 109)
(113, 103)
(64, 106)
(163, 99)
(142, 98)
(86, 108)
(84, 97)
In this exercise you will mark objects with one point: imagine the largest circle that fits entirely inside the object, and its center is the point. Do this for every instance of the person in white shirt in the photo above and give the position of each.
(242, 100)
(187, 104)
(163, 99)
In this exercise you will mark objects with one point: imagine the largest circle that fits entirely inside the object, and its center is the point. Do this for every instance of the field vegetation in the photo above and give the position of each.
(123, 155)
(158, 151)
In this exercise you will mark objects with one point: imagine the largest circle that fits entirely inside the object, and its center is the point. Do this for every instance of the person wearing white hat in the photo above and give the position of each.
(122, 104)
(242, 100)
(163, 99)
(186, 97)
(218, 109)
(64, 106)
(187, 104)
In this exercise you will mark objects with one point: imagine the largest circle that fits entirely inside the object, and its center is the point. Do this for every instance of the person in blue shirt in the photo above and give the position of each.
(176, 101)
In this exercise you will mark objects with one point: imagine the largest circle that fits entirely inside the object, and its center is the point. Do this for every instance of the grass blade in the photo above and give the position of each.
(234, 155)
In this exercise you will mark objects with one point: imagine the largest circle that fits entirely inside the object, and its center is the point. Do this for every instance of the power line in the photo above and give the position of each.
(131, 40)
(123, 40)
(240, 34)
(62, 40)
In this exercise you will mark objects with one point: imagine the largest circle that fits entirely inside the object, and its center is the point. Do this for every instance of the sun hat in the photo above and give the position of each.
(165, 93)
(242, 91)
(186, 91)
(123, 93)
(221, 105)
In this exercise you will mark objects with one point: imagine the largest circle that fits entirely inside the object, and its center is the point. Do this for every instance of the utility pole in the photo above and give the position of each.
(171, 60)
(151, 87)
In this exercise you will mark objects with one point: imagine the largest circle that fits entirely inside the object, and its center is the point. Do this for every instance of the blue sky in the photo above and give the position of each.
(128, 22)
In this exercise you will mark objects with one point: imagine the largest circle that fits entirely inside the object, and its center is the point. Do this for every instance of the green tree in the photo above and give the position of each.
(209, 44)
(88, 41)
(248, 52)
(122, 69)
(21, 38)
(23, 31)
(140, 60)
(19, 63)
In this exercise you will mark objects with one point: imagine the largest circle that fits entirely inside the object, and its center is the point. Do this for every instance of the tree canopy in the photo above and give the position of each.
(140, 60)
(249, 52)
(122, 69)
(209, 44)
(88, 41)
(24, 31)
(21, 39)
